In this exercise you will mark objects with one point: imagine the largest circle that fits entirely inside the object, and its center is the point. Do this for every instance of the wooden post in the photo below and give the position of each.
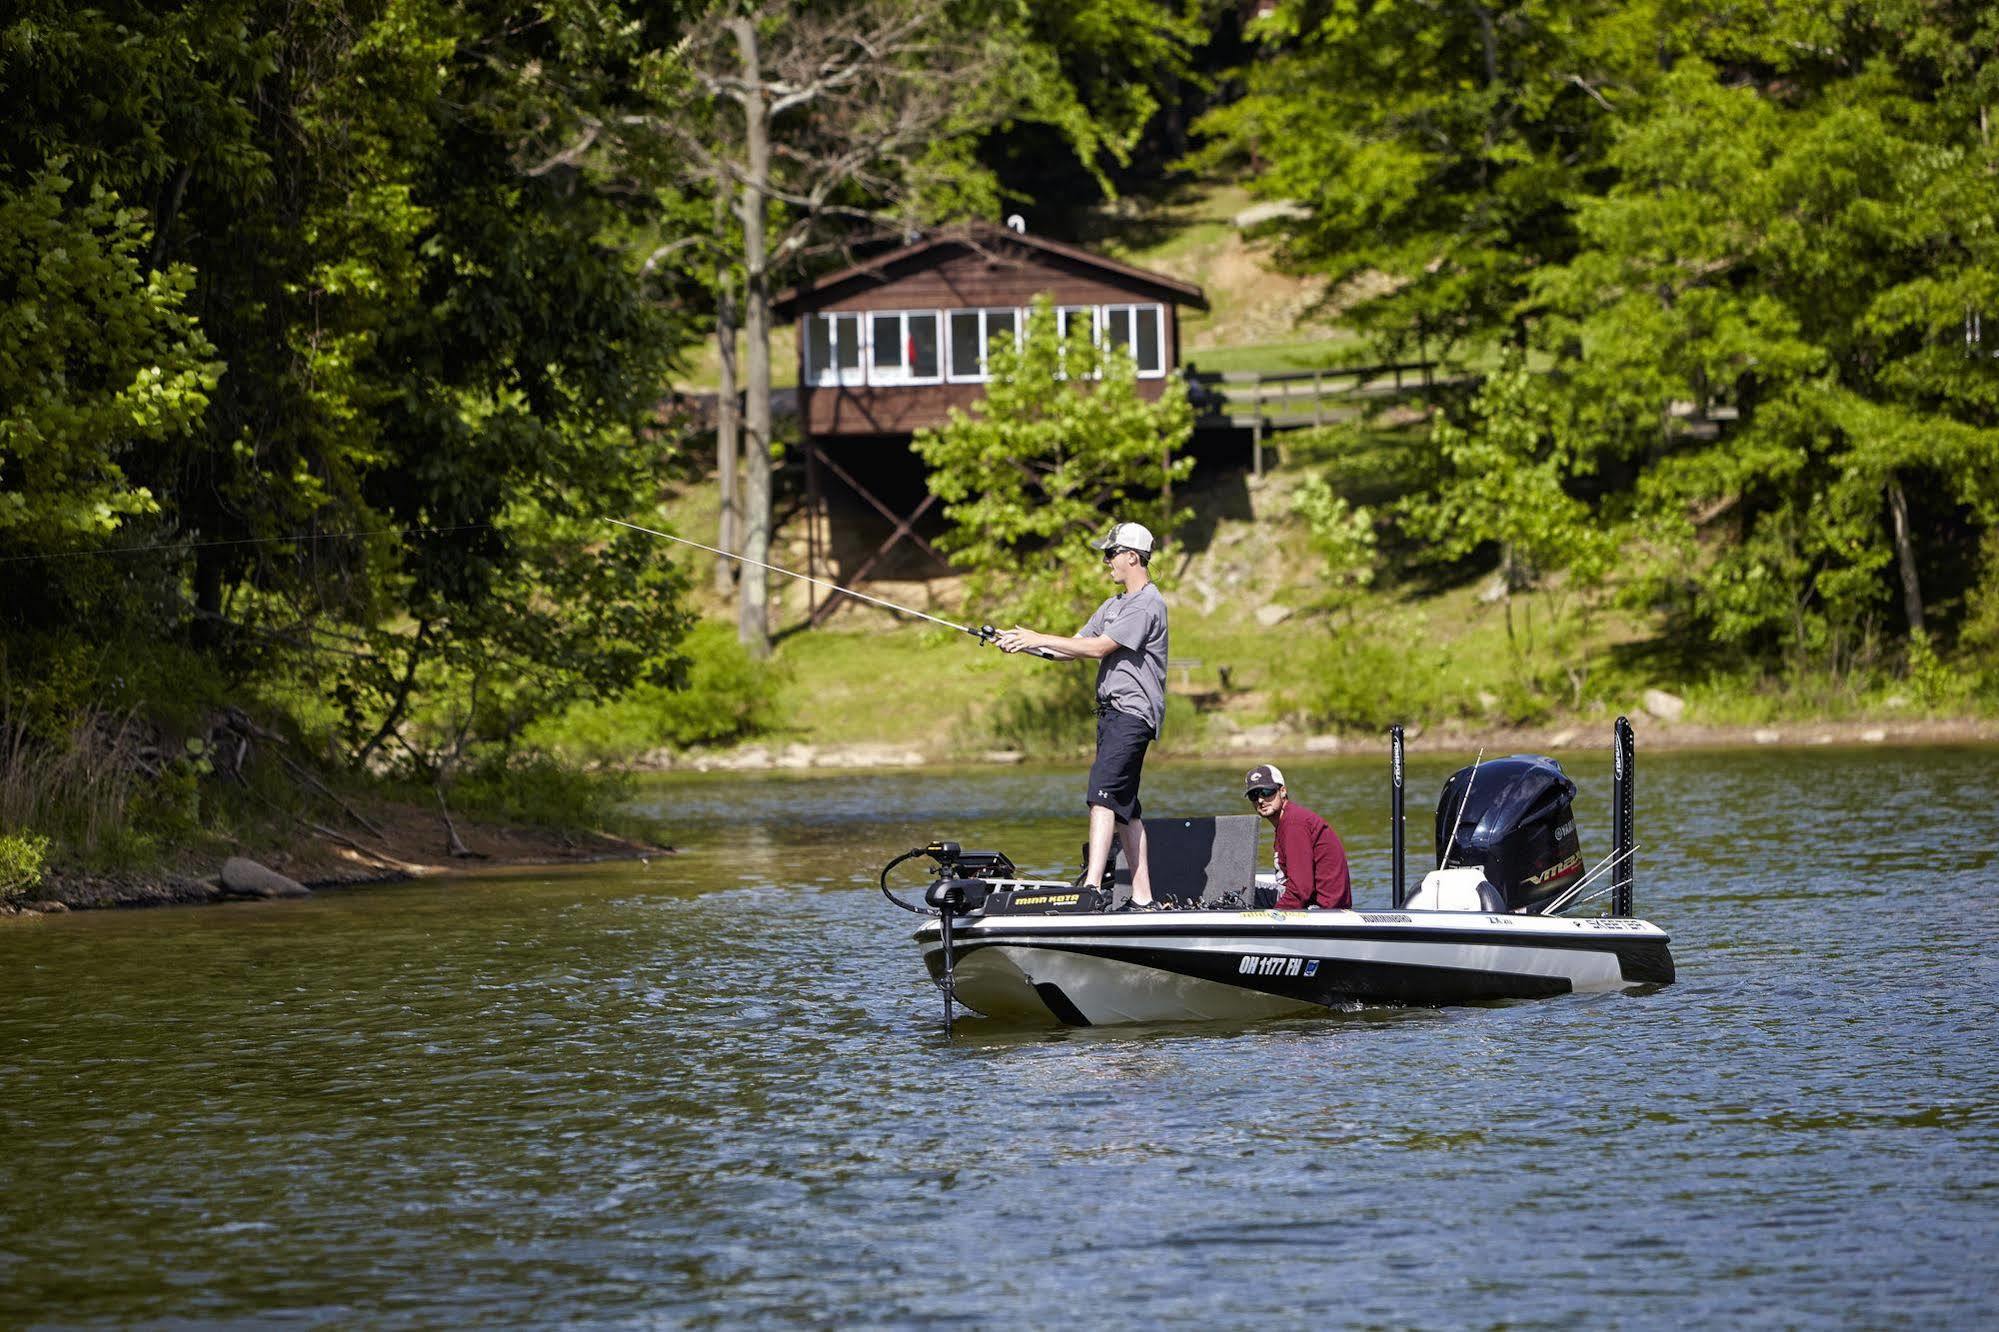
(812, 525)
(1318, 401)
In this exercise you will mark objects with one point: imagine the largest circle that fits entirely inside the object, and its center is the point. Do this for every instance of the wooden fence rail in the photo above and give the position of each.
(1263, 402)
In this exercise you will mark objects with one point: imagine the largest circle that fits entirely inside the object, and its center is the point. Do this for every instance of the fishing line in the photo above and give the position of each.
(985, 633)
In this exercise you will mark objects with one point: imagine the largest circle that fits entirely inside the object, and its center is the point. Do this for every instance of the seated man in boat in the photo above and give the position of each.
(1311, 860)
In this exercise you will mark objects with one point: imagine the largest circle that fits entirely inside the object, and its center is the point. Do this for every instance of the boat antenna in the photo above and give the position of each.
(985, 633)
(1453, 839)
(1395, 819)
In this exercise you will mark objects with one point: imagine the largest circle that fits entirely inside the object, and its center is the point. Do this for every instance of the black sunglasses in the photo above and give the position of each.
(1261, 793)
(1113, 553)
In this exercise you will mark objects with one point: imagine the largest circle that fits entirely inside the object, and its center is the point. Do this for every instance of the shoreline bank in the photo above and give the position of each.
(413, 845)
(1280, 743)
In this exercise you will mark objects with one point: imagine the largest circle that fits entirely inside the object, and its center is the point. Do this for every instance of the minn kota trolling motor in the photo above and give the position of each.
(964, 883)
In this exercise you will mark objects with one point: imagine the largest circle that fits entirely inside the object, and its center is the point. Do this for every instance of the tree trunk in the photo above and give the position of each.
(728, 419)
(753, 622)
(1905, 555)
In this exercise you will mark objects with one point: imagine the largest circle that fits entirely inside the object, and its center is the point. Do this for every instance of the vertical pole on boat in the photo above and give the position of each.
(1395, 822)
(944, 926)
(1624, 832)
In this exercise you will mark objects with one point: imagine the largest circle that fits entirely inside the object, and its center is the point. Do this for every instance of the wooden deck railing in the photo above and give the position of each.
(1263, 402)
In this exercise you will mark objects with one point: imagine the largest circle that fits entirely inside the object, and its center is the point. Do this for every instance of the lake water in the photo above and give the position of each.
(714, 1089)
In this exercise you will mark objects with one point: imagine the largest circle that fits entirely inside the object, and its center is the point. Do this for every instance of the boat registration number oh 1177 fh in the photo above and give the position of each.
(1278, 966)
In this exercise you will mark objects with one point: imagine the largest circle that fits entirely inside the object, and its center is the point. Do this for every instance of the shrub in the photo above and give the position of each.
(22, 858)
(1053, 714)
(1362, 684)
(540, 789)
(729, 696)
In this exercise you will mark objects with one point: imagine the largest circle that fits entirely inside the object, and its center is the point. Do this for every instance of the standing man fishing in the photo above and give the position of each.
(1127, 638)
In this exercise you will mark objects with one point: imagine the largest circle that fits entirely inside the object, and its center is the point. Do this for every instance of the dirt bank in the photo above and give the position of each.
(401, 842)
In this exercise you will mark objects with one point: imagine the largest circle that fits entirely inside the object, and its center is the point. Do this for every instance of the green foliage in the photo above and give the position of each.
(1759, 249)
(1935, 685)
(1341, 534)
(23, 857)
(1504, 477)
(1807, 263)
(98, 358)
(541, 790)
(422, 371)
(1095, 71)
(728, 696)
(1364, 683)
(1062, 444)
(1053, 712)
(1438, 146)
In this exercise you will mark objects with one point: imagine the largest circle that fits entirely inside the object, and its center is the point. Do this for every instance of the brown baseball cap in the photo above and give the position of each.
(1263, 774)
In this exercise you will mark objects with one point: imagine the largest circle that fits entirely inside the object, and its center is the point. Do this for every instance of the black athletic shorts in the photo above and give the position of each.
(1121, 742)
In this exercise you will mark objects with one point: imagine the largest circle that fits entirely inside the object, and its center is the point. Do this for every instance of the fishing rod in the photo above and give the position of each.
(985, 633)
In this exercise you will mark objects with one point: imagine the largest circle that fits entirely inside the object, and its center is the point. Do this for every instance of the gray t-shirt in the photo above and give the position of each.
(1133, 677)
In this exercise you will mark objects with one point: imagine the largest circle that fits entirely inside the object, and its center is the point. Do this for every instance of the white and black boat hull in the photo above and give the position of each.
(1095, 970)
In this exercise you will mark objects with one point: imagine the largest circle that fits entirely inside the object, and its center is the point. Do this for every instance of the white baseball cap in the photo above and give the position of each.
(1128, 536)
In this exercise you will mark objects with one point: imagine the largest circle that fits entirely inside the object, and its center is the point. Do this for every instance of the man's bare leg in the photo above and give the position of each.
(1133, 837)
(1103, 826)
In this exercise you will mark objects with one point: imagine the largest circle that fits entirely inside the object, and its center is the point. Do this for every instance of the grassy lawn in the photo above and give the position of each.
(911, 686)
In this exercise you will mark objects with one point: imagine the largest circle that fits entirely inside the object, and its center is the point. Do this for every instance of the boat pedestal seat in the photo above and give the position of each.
(1461, 888)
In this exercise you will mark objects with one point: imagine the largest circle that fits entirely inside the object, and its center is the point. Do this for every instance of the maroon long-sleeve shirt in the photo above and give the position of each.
(1311, 861)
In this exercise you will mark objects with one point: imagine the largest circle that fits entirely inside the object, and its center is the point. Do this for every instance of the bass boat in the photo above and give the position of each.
(1487, 924)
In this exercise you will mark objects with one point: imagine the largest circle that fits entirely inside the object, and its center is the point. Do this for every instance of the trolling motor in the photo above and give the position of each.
(961, 886)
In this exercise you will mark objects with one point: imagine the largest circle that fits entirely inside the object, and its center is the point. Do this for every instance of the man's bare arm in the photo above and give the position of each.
(1095, 647)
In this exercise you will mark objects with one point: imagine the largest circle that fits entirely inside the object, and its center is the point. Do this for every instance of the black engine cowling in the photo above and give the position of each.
(1517, 826)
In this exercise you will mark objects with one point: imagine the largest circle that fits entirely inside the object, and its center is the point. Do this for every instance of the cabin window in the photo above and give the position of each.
(1076, 318)
(972, 334)
(1138, 328)
(833, 349)
(902, 347)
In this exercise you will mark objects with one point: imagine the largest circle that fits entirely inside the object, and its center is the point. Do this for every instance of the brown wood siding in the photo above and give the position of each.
(902, 410)
(961, 279)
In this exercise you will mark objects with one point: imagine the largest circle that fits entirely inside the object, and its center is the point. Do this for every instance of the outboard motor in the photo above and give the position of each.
(1517, 826)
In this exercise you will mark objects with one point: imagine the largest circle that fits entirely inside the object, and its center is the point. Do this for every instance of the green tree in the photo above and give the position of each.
(99, 359)
(436, 367)
(1433, 150)
(1063, 442)
(1507, 476)
(1769, 318)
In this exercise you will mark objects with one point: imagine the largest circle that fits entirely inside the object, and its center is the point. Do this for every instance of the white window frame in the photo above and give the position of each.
(1096, 325)
(835, 375)
(982, 373)
(1062, 312)
(902, 373)
(1157, 314)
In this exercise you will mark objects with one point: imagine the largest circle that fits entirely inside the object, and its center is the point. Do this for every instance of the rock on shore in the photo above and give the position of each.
(243, 877)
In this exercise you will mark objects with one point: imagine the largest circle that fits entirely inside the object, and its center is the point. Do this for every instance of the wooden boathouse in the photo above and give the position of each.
(888, 346)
